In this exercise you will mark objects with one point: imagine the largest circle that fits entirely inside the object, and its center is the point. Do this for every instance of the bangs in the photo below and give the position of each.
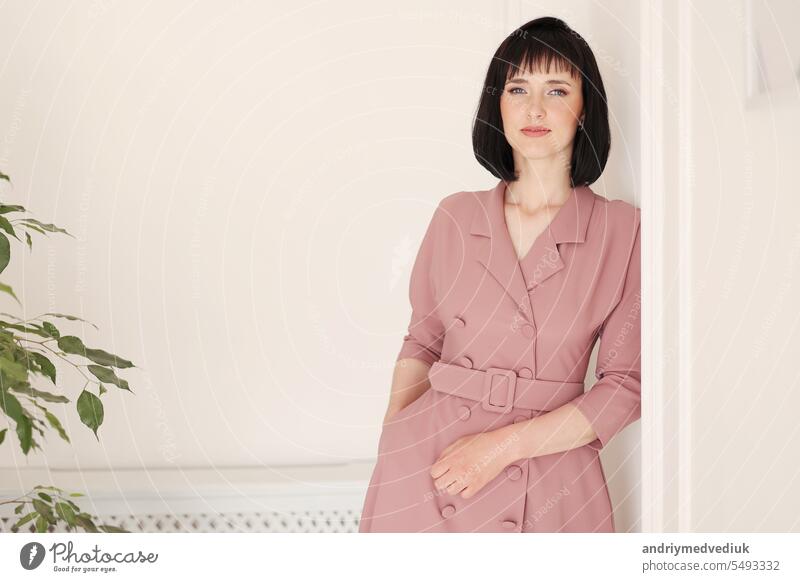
(528, 54)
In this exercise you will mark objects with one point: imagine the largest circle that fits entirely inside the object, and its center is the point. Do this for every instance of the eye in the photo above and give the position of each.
(515, 89)
(563, 93)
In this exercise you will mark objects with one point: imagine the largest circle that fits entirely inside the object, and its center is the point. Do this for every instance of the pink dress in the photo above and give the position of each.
(508, 340)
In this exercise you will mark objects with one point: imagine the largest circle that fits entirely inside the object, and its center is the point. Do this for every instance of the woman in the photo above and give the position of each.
(488, 427)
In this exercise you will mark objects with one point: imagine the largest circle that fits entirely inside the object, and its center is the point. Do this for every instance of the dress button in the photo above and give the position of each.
(528, 330)
(525, 373)
(513, 472)
(465, 362)
(509, 524)
(458, 322)
(464, 412)
(449, 510)
(520, 418)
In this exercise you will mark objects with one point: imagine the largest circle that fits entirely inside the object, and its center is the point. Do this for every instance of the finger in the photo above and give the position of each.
(457, 486)
(443, 482)
(439, 468)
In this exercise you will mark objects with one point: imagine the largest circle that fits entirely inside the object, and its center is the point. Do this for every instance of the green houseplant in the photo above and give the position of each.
(28, 349)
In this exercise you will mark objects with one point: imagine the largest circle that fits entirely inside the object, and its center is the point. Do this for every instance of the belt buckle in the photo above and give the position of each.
(511, 382)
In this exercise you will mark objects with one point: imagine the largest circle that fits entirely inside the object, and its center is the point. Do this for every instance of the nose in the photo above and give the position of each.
(535, 109)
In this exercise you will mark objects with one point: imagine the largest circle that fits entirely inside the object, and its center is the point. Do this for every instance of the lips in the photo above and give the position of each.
(535, 131)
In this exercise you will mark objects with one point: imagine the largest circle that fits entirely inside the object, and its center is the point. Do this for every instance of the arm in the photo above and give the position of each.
(613, 402)
(422, 345)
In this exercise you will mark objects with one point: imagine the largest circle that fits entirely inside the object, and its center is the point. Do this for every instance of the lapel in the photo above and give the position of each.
(495, 251)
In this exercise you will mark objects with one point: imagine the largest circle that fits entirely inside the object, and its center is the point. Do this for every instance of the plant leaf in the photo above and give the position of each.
(13, 370)
(74, 345)
(5, 252)
(29, 390)
(45, 365)
(86, 522)
(25, 519)
(7, 289)
(51, 329)
(3, 435)
(21, 327)
(44, 510)
(45, 496)
(6, 226)
(113, 529)
(72, 318)
(41, 524)
(6, 208)
(108, 375)
(56, 424)
(65, 512)
(25, 434)
(4, 177)
(90, 410)
(47, 227)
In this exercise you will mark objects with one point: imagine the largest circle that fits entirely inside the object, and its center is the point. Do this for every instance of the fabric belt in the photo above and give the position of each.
(499, 390)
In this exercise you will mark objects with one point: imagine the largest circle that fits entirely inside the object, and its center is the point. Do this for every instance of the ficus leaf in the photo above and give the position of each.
(29, 390)
(47, 227)
(45, 365)
(7, 289)
(5, 252)
(108, 375)
(6, 226)
(72, 318)
(51, 329)
(13, 370)
(56, 424)
(25, 519)
(65, 512)
(6, 208)
(90, 411)
(41, 524)
(25, 434)
(85, 521)
(74, 345)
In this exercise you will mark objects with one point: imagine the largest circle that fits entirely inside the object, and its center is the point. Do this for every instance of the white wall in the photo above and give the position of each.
(248, 184)
(745, 265)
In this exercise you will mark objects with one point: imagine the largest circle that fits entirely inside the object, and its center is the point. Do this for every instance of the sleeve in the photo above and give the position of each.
(425, 330)
(614, 401)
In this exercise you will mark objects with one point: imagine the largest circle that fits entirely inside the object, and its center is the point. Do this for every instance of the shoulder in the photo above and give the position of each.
(617, 212)
(616, 216)
(456, 210)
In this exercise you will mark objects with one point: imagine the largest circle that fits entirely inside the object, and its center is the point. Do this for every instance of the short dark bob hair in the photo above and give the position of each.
(531, 47)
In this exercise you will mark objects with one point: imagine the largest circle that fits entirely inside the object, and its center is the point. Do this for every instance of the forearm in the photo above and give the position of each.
(559, 430)
(409, 382)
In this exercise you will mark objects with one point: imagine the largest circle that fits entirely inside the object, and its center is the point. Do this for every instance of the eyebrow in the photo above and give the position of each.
(548, 82)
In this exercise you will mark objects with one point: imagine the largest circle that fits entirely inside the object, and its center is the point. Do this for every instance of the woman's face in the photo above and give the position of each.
(553, 100)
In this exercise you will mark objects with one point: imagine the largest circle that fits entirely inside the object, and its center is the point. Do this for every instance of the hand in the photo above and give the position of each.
(472, 461)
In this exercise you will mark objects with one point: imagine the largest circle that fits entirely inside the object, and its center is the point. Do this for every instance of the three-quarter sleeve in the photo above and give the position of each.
(614, 401)
(425, 330)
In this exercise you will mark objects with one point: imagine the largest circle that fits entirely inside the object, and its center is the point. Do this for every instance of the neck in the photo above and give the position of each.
(541, 183)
